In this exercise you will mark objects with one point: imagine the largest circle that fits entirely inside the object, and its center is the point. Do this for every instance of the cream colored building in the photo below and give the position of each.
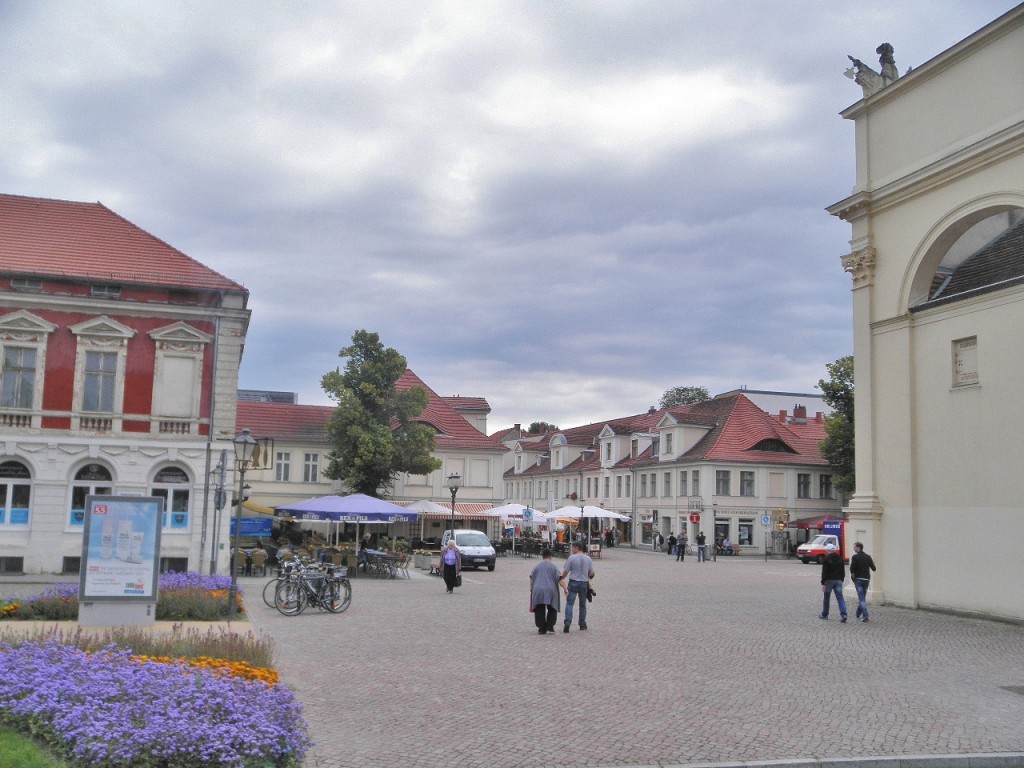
(938, 309)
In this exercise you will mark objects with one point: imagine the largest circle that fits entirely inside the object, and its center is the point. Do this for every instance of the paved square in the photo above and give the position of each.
(683, 663)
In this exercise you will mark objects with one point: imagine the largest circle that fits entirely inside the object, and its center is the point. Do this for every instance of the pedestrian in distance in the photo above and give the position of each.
(861, 566)
(579, 569)
(451, 565)
(833, 574)
(545, 600)
(672, 544)
(702, 547)
(683, 541)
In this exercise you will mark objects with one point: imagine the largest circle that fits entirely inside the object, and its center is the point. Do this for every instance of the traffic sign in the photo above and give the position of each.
(694, 517)
(766, 520)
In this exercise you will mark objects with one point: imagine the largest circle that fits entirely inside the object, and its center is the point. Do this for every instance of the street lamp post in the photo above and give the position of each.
(245, 445)
(454, 483)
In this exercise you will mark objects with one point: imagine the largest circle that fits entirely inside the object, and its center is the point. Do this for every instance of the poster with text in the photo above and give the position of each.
(121, 548)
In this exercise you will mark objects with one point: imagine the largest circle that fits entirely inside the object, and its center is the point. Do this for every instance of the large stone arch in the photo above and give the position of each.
(943, 235)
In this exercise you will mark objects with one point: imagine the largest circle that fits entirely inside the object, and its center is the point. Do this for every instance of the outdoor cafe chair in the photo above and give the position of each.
(258, 559)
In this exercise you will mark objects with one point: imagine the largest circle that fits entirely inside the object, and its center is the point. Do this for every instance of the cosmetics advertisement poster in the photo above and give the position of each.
(121, 547)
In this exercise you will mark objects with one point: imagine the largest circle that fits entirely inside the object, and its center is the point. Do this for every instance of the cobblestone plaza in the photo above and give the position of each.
(683, 664)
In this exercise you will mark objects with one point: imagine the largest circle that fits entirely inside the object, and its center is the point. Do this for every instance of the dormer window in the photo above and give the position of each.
(103, 291)
(26, 285)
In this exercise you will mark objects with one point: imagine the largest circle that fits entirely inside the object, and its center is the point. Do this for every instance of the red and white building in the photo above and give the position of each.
(120, 366)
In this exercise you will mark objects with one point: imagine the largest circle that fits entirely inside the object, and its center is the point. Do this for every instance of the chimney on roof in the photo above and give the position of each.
(652, 409)
(517, 427)
(819, 417)
(800, 414)
(782, 416)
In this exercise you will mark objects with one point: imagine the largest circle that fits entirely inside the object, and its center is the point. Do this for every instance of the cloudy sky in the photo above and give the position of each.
(564, 207)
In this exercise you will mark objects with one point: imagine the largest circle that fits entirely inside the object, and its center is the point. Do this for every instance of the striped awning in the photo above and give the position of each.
(465, 510)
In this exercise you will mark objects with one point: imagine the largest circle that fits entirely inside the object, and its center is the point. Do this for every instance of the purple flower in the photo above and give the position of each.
(104, 709)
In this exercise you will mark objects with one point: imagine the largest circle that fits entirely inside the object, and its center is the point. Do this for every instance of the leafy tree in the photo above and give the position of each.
(372, 430)
(683, 396)
(541, 426)
(837, 447)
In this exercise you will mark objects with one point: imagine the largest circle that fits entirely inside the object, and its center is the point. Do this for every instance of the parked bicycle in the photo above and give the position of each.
(282, 570)
(327, 588)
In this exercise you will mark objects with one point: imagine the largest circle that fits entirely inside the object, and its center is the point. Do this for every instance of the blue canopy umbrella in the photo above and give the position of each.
(356, 508)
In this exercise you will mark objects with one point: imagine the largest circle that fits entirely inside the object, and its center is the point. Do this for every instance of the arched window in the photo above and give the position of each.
(15, 495)
(174, 486)
(92, 479)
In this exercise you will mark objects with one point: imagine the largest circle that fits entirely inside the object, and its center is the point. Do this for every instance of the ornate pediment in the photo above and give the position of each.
(103, 327)
(180, 335)
(24, 326)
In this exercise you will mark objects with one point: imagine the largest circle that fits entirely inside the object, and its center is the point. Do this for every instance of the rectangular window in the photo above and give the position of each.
(643, 485)
(283, 467)
(100, 377)
(654, 483)
(106, 291)
(746, 483)
(634, 445)
(668, 443)
(825, 486)
(618, 487)
(607, 487)
(682, 483)
(803, 486)
(965, 362)
(667, 487)
(311, 468)
(745, 531)
(556, 489)
(723, 482)
(629, 493)
(608, 451)
(695, 490)
(19, 377)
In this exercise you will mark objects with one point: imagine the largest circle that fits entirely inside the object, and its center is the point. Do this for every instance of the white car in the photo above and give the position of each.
(474, 546)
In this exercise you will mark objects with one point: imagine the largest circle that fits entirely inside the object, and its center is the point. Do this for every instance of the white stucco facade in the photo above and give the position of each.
(940, 492)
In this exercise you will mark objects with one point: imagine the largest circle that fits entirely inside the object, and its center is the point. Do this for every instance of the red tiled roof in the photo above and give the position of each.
(297, 423)
(87, 241)
(748, 425)
(458, 402)
(453, 431)
(285, 422)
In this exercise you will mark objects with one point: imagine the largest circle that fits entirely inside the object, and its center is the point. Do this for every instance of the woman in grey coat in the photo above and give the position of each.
(545, 602)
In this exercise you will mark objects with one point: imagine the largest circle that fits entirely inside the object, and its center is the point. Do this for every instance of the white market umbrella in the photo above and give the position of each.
(427, 506)
(587, 512)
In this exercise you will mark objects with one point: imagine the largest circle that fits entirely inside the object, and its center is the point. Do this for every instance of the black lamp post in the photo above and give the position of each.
(245, 445)
(454, 483)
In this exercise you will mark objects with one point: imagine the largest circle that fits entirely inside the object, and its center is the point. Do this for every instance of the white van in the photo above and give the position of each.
(474, 546)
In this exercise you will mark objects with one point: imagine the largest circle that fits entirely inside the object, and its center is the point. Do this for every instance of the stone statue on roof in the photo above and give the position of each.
(868, 79)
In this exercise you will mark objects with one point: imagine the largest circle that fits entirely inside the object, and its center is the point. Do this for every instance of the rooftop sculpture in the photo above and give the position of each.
(869, 80)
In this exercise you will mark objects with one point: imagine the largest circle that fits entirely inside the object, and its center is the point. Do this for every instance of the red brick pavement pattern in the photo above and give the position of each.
(683, 663)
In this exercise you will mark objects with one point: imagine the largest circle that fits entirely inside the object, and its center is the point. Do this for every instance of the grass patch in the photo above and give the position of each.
(18, 751)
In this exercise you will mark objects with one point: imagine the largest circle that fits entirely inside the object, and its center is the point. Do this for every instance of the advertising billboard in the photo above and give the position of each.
(121, 548)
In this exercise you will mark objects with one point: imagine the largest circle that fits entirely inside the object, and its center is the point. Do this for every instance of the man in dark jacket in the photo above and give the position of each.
(833, 573)
(861, 566)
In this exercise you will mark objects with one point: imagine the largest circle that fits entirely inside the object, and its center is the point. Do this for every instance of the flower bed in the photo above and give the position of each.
(109, 709)
(182, 597)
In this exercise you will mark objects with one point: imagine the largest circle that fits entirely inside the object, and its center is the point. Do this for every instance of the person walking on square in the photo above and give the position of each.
(702, 547)
(451, 565)
(545, 581)
(579, 569)
(833, 573)
(672, 544)
(861, 566)
(681, 552)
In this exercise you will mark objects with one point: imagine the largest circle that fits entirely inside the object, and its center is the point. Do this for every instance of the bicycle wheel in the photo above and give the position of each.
(268, 592)
(290, 598)
(339, 596)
